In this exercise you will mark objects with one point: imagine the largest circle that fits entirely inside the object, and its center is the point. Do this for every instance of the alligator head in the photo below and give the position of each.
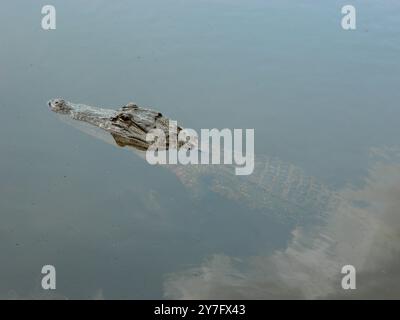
(128, 125)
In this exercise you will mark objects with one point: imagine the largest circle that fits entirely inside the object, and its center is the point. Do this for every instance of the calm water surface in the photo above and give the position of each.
(113, 226)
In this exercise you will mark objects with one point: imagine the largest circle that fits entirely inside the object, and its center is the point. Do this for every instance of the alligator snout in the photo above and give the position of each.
(59, 105)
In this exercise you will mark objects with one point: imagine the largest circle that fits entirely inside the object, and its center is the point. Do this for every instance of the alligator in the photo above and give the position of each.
(279, 188)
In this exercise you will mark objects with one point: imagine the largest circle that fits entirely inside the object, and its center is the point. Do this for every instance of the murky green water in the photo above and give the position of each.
(113, 226)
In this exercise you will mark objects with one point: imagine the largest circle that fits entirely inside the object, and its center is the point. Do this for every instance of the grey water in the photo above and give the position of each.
(113, 226)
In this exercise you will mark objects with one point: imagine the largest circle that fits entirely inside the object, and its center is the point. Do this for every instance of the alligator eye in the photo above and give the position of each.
(125, 117)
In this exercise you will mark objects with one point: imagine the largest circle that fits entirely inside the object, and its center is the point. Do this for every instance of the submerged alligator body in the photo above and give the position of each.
(275, 187)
